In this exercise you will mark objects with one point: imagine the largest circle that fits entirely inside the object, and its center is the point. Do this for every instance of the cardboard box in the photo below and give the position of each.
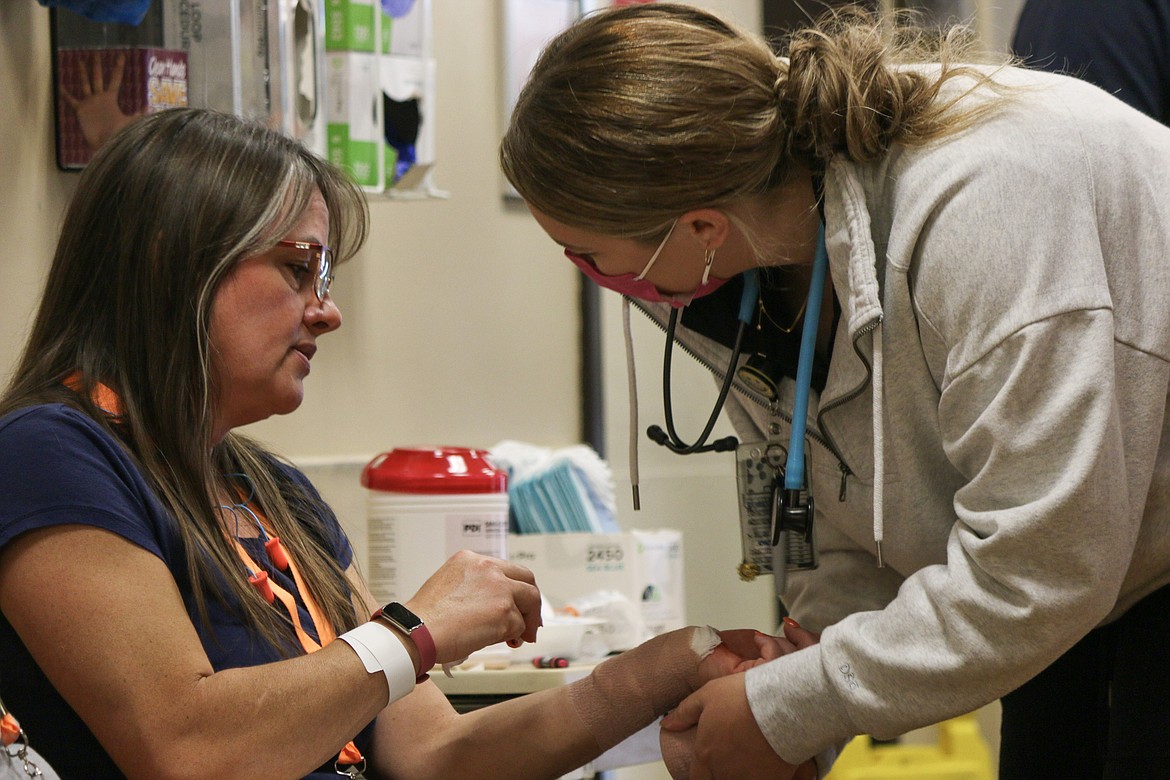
(643, 566)
(404, 88)
(408, 86)
(407, 34)
(355, 115)
(152, 80)
(354, 120)
(408, 103)
(660, 576)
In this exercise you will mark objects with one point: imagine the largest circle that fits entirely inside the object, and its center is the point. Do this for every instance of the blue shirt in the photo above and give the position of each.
(1122, 46)
(59, 467)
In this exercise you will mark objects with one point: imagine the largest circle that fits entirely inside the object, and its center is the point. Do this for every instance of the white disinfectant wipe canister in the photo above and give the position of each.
(426, 504)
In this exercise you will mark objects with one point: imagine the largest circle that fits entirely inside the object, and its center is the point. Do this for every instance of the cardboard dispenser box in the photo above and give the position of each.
(354, 112)
(352, 25)
(355, 136)
(381, 94)
(646, 567)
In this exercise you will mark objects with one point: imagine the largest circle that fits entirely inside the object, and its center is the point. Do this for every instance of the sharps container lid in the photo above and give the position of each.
(434, 470)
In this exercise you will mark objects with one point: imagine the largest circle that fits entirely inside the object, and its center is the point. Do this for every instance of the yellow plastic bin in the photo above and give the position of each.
(960, 754)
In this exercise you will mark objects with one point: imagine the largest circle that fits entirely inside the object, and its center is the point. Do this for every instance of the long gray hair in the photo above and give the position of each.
(160, 216)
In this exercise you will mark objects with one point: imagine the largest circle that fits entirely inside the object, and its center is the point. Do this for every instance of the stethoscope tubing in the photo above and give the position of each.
(794, 468)
(747, 304)
(794, 477)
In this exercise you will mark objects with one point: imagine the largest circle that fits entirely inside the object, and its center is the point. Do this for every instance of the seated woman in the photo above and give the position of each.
(169, 589)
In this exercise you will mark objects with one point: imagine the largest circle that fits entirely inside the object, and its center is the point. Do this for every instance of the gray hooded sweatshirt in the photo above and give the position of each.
(1015, 279)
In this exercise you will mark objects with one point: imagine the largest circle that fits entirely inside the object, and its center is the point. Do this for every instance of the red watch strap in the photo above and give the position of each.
(423, 642)
(426, 649)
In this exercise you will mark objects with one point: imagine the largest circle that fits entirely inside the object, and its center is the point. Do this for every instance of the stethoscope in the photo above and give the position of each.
(793, 509)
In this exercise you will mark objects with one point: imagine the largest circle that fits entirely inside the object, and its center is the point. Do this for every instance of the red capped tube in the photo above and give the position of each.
(276, 553)
(262, 585)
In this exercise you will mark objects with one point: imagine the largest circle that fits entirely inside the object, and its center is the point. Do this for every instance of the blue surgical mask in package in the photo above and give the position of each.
(557, 491)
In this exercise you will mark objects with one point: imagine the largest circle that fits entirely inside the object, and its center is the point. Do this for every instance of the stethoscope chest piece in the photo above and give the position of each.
(792, 534)
(792, 513)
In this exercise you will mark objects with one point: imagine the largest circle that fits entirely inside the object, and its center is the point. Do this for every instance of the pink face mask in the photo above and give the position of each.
(638, 286)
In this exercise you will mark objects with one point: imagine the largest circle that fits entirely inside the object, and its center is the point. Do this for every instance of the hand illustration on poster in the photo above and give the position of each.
(97, 107)
(101, 90)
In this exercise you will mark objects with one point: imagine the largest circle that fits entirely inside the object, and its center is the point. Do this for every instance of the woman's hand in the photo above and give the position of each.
(743, 648)
(713, 734)
(740, 650)
(473, 601)
(798, 637)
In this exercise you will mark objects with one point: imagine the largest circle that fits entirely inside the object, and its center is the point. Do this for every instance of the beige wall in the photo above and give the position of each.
(32, 193)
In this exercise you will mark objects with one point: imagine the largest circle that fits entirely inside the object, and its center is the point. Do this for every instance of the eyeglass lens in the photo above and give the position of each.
(324, 260)
(321, 260)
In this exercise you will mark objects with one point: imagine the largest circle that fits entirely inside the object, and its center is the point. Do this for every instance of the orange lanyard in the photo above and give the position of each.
(350, 761)
(321, 624)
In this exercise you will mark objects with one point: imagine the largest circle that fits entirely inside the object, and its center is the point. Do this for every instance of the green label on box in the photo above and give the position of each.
(350, 26)
(337, 143)
(360, 158)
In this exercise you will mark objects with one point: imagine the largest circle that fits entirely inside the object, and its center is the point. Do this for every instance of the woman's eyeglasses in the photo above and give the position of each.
(320, 260)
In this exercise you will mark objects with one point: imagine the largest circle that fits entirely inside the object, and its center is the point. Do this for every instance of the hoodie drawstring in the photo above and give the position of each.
(879, 469)
(632, 385)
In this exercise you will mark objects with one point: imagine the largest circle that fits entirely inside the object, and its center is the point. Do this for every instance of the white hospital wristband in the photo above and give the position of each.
(380, 650)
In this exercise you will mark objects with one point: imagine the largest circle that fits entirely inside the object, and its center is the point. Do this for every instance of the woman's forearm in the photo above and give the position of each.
(551, 732)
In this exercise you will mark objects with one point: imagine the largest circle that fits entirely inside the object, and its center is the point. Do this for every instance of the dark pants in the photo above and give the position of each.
(1102, 710)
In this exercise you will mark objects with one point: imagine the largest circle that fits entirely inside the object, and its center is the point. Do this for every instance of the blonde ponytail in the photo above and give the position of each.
(852, 88)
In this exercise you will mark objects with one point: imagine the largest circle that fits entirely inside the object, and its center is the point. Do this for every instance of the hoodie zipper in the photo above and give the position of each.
(822, 439)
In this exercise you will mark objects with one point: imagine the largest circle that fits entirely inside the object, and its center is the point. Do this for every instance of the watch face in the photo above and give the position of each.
(401, 615)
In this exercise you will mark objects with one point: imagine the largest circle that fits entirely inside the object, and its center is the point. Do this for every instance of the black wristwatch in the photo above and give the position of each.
(410, 624)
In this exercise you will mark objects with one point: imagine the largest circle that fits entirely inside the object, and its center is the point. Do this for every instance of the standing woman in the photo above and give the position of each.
(986, 446)
(169, 588)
